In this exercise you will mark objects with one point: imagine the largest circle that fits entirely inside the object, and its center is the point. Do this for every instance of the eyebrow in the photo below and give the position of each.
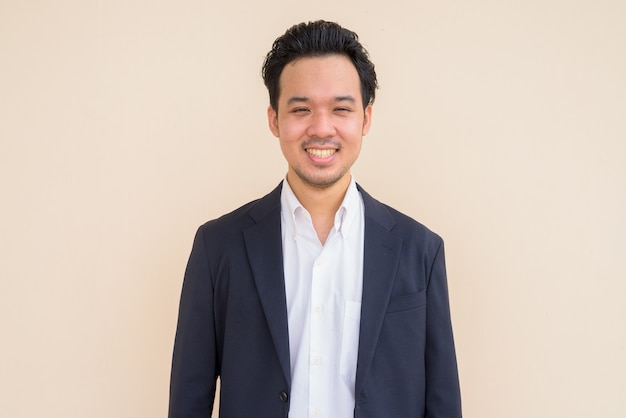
(297, 99)
(304, 99)
(345, 99)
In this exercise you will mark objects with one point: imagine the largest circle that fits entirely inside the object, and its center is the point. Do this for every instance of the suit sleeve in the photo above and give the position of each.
(443, 399)
(194, 363)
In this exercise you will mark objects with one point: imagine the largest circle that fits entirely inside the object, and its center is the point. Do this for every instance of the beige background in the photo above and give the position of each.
(126, 124)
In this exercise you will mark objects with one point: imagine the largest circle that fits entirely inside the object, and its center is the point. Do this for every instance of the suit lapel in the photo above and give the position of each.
(264, 246)
(381, 256)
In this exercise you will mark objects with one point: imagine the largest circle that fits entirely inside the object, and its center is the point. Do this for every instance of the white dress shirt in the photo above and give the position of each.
(323, 285)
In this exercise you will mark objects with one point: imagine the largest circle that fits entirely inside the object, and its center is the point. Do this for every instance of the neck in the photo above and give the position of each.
(321, 203)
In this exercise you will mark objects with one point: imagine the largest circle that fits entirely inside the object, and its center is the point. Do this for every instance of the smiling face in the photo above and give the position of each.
(320, 121)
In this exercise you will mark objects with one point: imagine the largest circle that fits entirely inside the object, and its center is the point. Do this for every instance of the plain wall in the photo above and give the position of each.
(124, 125)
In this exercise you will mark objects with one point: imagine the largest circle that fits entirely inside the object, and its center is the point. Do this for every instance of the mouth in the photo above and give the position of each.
(321, 153)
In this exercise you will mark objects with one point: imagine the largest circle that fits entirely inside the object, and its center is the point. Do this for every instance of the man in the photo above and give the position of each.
(316, 300)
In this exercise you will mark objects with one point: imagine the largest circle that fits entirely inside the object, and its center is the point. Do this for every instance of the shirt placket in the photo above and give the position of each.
(321, 330)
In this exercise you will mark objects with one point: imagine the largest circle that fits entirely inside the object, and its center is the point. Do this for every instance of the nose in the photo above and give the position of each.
(321, 125)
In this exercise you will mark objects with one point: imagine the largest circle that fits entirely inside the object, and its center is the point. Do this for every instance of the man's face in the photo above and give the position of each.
(320, 120)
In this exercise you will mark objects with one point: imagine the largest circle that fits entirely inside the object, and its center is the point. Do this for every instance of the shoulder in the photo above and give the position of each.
(398, 223)
(246, 215)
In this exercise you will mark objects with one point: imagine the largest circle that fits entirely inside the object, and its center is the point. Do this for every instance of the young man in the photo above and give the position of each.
(316, 300)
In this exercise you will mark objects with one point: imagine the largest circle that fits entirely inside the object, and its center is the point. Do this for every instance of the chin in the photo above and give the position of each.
(321, 182)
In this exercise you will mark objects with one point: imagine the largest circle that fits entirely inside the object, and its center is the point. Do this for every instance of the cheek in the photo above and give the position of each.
(290, 130)
(289, 145)
(352, 130)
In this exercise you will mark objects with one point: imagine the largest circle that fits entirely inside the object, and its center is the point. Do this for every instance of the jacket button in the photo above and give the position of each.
(283, 396)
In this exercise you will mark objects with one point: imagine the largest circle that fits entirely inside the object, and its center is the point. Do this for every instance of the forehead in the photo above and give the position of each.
(329, 75)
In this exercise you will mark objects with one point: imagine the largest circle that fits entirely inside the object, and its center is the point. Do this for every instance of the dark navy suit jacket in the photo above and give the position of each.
(233, 320)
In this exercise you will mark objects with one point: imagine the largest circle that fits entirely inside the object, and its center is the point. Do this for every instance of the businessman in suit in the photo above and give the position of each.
(316, 300)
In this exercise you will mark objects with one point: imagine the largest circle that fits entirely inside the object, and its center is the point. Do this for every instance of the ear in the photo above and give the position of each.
(272, 120)
(367, 119)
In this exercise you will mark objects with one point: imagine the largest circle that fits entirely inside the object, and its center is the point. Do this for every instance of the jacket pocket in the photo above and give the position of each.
(407, 302)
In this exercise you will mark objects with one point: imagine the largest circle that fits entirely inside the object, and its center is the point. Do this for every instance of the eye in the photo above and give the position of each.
(299, 110)
(343, 109)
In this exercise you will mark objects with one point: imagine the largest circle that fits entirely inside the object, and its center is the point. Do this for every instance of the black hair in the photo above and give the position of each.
(315, 39)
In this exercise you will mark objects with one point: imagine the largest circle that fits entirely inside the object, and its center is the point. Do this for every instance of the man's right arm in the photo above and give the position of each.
(194, 364)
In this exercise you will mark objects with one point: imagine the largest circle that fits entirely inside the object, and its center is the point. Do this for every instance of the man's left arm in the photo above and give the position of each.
(443, 398)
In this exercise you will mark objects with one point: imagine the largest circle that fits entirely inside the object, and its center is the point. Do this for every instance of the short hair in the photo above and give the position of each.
(317, 39)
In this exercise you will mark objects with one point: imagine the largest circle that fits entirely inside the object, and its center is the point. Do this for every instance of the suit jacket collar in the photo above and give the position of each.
(380, 261)
(264, 245)
(381, 255)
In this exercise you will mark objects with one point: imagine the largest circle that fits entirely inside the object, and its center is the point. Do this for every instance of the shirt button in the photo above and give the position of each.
(282, 395)
(317, 360)
(315, 412)
(318, 309)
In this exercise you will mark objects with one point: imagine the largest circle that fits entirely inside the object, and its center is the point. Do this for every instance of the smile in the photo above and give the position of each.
(321, 153)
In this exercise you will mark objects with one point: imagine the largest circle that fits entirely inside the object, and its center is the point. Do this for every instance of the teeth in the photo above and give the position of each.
(321, 153)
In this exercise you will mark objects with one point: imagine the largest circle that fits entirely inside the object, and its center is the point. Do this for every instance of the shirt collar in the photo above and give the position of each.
(349, 209)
